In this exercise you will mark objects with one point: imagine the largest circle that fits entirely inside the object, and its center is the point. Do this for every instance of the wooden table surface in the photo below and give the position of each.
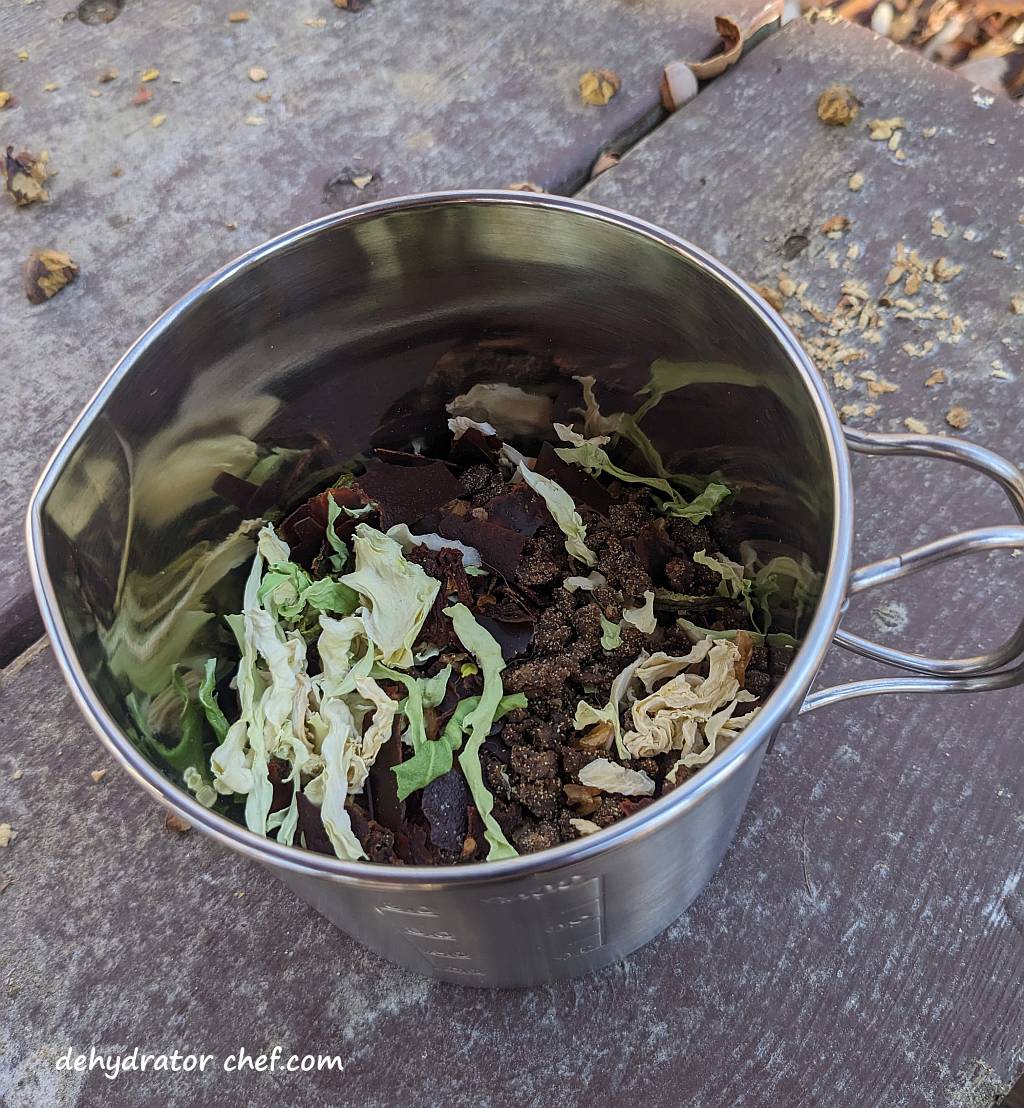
(862, 943)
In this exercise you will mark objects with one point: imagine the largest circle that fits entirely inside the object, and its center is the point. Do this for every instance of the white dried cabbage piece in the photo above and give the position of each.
(396, 595)
(407, 540)
(642, 618)
(512, 411)
(459, 425)
(610, 777)
(593, 580)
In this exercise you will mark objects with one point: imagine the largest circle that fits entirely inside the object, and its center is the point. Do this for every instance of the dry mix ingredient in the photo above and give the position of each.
(486, 652)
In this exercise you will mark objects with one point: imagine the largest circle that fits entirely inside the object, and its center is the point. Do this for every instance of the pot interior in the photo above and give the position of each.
(355, 334)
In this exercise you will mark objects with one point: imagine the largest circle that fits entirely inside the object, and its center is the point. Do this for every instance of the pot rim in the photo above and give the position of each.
(782, 704)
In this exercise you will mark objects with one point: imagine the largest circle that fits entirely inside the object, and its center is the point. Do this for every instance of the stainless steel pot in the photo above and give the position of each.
(333, 327)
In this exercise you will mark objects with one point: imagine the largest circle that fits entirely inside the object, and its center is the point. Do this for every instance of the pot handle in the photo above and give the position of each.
(980, 673)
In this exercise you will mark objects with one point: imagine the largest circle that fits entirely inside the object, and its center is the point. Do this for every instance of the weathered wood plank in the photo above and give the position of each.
(927, 946)
(423, 96)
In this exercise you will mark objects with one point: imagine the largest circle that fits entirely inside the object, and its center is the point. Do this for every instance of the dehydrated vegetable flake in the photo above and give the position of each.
(149, 75)
(238, 17)
(257, 73)
(958, 417)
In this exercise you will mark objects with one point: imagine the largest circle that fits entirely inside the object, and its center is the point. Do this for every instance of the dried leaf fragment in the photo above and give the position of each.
(25, 176)
(838, 106)
(958, 417)
(732, 47)
(598, 86)
(238, 17)
(174, 822)
(257, 73)
(46, 272)
(149, 75)
(943, 270)
(678, 86)
(915, 425)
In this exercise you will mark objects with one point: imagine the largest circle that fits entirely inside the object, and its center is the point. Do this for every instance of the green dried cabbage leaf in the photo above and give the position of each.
(435, 757)
(396, 595)
(563, 511)
(611, 635)
(485, 649)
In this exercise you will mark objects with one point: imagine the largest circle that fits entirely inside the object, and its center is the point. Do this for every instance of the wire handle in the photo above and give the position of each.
(979, 673)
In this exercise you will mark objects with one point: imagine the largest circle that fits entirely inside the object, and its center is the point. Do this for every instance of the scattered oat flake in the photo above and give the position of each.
(849, 411)
(773, 296)
(46, 272)
(838, 106)
(98, 774)
(856, 182)
(95, 92)
(913, 284)
(316, 23)
(149, 75)
(258, 73)
(17, 775)
(881, 387)
(51, 87)
(871, 410)
(1000, 253)
(958, 417)
(1017, 303)
(835, 225)
(158, 120)
(254, 121)
(7, 834)
(143, 96)
(943, 270)
(1001, 374)
(915, 425)
(936, 377)
(881, 130)
(930, 132)
(240, 16)
(842, 380)
(970, 234)
(787, 286)
(174, 822)
(598, 86)
(939, 229)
